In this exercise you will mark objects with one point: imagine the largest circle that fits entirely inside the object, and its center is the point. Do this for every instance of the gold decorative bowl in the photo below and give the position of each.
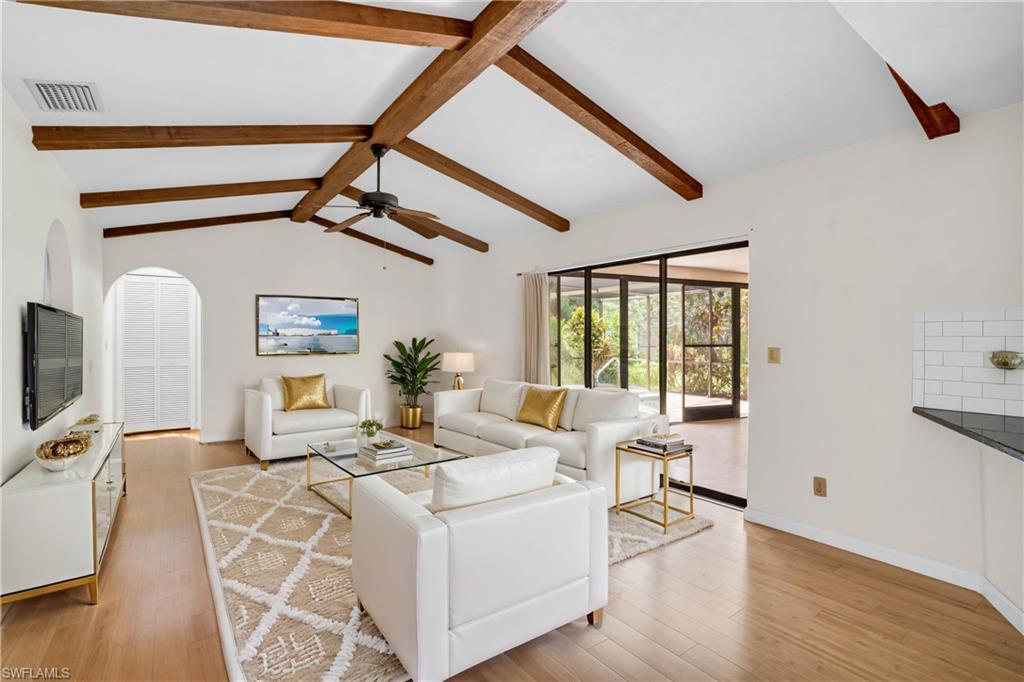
(60, 454)
(1006, 359)
(90, 419)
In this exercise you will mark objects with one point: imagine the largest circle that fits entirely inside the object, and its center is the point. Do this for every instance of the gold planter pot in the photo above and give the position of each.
(412, 417)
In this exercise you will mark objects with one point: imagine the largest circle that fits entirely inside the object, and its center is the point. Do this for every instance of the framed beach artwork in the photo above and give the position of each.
(306, 325)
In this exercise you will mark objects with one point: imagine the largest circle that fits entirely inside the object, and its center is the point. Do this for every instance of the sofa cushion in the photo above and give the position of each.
(274, 386)
(510, 434)
(569, 409)
(469, 423)
(571, 446)
(482, 479)
(598, 406)
(501, 397)
(300, 421)
(305, 393)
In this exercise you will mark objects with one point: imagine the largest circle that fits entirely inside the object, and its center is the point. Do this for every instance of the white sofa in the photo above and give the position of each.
(444, 594)
(272, 433)
(481, 421)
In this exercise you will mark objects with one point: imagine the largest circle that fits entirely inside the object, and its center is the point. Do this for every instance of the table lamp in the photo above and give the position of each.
(458, 363)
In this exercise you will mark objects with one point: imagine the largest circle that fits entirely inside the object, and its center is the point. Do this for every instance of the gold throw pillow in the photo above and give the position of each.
(543, 407)
(305, 393)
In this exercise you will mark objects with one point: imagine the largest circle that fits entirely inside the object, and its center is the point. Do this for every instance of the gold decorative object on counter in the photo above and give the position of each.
(59, 453)
(89, 419)
(1006, 359)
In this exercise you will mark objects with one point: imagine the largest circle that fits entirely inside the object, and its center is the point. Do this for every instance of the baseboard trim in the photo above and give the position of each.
(205, 437)
(911, 562)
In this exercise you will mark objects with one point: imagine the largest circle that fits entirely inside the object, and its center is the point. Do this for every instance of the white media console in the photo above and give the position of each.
(56, 524)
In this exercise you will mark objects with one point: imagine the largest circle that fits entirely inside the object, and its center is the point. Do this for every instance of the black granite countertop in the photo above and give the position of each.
(1005, 434)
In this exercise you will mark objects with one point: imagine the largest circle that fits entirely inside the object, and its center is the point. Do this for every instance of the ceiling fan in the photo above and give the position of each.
(376, 204)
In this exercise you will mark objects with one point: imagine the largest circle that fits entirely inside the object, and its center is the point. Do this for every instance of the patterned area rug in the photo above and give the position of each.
(279, 561)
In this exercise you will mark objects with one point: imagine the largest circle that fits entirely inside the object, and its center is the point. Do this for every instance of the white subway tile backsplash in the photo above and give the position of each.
(972, 359)
(961, 328)
(1004, 391)
(943, 373)
(943, 343)
(985, 405)
(984, 343)
(985, 315)
(986, 375)
(962, 389)
(919, 336)
(1006, 328)
(944, 402)
(952, 367)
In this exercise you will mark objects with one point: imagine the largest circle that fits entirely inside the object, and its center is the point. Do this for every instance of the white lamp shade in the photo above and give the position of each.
(457, 362)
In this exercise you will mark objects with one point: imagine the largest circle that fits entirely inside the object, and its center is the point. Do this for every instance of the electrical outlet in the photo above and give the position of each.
(774, 355)
(820, 486)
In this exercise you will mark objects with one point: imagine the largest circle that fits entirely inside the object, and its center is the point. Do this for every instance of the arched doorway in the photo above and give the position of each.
(152, 345)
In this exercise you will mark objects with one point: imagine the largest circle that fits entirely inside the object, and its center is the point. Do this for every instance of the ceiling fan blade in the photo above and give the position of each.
(347, 223)
(340, 206)
(414, 213)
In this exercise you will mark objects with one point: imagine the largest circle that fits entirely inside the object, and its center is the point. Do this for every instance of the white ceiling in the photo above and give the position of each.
(732, 260)
(720, 88)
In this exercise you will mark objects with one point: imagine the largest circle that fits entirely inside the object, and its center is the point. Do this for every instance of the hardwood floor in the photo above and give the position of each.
(737, 602)
(721, 453)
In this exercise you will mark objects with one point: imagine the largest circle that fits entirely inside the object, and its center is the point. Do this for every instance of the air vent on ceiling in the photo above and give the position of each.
(58, 96)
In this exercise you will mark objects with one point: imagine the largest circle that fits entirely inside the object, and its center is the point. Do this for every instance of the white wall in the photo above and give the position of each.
(229, 266)
(36, 192)
(844, 247)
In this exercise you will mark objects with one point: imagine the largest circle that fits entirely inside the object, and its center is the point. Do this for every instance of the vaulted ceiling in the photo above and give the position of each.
(717, 88)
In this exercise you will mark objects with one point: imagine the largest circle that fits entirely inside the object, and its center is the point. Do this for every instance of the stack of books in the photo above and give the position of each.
(385, 452)
(663, 444)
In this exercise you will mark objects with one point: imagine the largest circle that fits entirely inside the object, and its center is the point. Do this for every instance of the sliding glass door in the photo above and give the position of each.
(679, 343)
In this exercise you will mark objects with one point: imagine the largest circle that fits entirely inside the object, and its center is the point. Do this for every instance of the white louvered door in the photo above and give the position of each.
(156, 332)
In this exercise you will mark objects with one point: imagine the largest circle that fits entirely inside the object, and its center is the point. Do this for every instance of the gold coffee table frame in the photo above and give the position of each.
(423, 457)
(630, 507)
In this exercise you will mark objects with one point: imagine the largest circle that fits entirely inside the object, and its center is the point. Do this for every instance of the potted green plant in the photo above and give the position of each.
(411, 371)
(368, 429)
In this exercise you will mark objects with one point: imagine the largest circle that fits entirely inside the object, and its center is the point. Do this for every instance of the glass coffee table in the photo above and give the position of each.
(341, 454)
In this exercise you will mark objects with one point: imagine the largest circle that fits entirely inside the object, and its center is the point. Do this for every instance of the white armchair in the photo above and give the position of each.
(272, 433)
(446, 595)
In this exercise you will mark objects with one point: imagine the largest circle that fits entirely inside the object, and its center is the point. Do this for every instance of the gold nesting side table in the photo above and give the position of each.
(626, 448)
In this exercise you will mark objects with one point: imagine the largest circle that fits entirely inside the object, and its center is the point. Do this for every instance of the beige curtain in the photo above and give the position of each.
(536, 337)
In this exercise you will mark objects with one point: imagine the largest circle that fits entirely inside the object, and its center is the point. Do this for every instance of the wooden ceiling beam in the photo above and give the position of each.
(193, 223)
(936, 119)
(57, 138)
(456, 171)
(498, 28)
(369, 239)
(311, 17)
(563, 96)
(129, 197)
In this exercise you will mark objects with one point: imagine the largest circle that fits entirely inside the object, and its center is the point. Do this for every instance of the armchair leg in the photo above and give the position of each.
(264, 464)
(596, 617)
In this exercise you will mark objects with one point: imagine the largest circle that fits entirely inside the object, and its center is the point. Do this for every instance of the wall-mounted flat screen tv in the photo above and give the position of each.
(53, 362)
